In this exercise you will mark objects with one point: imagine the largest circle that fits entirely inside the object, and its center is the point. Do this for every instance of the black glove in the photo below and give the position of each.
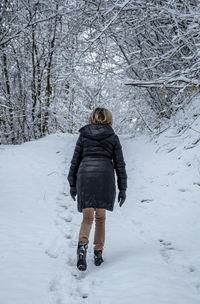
(73, 192)
(121, 197)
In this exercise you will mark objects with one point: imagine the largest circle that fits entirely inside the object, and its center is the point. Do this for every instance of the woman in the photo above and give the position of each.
(91, 177)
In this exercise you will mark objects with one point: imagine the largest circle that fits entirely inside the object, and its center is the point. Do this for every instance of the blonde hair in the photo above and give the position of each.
(101, 115)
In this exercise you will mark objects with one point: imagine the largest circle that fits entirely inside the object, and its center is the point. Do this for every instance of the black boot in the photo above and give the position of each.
(81, 256)
(98, 257)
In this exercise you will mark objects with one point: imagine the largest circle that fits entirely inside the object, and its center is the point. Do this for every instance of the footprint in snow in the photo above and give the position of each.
(196, 183)
(64, 161)
(183, 190)
(65, 193)
(170, 150)
(53, 285)
(67, 218)
(137, 223)
(71, 261)
(73, 243)
(83, 290)
(59, 198)
(198, 286)
(51, 253)
(146, 200)
(68, 236)
(72, 211)
(191, 269)
(63, 206)
(167, 246)
(77, 274)
(171, 172)
(61, 203)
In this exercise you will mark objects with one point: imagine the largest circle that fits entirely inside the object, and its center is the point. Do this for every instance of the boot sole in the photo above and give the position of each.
(81, 264)
(98, 263)
(82, 267)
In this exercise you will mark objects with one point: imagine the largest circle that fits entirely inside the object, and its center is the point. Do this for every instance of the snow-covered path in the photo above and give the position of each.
(152, 243)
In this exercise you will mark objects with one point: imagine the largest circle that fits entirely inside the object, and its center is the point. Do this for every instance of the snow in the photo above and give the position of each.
(152, 242)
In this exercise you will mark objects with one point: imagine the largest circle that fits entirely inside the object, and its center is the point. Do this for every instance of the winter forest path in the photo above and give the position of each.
(152, 243)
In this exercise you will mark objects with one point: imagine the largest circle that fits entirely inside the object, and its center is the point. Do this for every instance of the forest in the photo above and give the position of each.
(60, 59)
(137, 154)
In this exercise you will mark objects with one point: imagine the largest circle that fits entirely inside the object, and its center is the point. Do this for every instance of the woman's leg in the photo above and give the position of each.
(88, 216)
(99, 236)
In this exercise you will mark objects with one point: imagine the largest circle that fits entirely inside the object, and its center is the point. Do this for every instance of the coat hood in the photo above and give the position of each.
(97, 131)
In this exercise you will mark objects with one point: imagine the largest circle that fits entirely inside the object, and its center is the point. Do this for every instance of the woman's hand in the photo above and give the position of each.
(121, 197)
(73, 192)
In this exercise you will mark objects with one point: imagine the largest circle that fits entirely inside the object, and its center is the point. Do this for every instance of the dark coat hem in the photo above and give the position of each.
(102, 207)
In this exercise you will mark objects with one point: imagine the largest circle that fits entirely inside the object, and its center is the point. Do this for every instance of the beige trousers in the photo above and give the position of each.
(88, 217)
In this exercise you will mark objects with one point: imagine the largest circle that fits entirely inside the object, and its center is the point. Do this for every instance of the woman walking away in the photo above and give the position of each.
(91, 177)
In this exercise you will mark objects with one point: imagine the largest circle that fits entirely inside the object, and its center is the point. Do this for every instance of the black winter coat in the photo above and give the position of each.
(97, 153)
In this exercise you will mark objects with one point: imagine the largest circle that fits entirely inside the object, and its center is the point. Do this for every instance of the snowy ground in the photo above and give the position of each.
(152, 250)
